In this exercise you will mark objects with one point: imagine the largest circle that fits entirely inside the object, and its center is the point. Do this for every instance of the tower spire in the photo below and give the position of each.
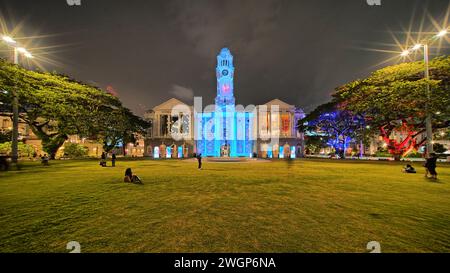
(225, 78)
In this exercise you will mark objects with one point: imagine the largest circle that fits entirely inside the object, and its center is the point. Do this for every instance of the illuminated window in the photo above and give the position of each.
(285, 123)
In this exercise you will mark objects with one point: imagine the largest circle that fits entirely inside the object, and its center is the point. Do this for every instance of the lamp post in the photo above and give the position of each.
(428, 121)
(15, 102)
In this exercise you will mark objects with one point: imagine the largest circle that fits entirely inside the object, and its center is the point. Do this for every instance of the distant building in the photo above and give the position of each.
(225, 130)
(94, 148)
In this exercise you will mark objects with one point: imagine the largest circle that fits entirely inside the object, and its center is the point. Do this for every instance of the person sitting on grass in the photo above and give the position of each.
(130, 178)
(409, 169)
(44, 160)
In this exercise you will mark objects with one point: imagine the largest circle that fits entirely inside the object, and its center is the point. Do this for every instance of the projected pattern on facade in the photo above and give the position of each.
(225, 132)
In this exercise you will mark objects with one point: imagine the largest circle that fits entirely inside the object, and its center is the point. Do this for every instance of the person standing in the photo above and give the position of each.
(113, 159)
(430, 166)
(103, 161)
(199, 159)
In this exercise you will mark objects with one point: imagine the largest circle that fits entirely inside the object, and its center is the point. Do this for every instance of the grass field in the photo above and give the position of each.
(301, 206)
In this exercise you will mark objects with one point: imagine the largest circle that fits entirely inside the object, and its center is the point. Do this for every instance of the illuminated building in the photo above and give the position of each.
(225, 129)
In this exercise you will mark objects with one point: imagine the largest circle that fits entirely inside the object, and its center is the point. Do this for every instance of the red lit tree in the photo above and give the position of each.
(394, 99)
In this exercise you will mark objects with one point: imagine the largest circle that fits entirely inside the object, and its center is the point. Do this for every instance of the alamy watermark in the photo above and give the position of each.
(373, 2)
(374, 247)
(74, 247)
(73, 2)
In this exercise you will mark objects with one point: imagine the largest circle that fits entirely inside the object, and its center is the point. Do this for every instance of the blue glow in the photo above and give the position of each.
(156, 152)
(225, 132)
(292, 152)
(281, 154)
(180, 152)
(168, 152)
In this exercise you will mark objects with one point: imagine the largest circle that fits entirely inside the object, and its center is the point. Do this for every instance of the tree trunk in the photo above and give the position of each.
(361, 149)
(52, 145)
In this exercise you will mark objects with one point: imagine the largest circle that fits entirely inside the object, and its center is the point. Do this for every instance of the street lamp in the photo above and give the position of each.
(424, 44)
(9, 40)
(442, 33)
(417, 47)
(405, 53)
(15, 103)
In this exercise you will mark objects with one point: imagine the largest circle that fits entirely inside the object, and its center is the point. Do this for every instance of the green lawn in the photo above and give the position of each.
(302, 206)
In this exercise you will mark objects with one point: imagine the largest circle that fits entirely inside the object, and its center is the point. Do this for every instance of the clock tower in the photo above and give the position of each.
(225, 132)
(225, 76)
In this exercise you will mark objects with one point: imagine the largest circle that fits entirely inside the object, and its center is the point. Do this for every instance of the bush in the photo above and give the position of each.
(5, 136)
(73, 150)
(383, 154)
(25, 150)
(414, 155)
(439, 148)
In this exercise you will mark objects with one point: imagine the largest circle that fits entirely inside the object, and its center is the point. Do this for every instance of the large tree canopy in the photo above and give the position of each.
(121, 127)
(339, 127)
(396, 98)
(55, 106)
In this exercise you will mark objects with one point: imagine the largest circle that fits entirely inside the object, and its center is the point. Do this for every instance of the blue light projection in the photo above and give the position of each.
(293, 152)
(156, 152)
(225, 132)
(180, 152)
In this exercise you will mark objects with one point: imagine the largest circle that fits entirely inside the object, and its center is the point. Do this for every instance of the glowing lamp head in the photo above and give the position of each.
(405, 53)
(22, 50)
(442, 33)
(28, 55)
(417, 47)
(8, 39)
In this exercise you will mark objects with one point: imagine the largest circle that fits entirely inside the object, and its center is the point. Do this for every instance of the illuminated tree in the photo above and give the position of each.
(338, 127)
(393, 100)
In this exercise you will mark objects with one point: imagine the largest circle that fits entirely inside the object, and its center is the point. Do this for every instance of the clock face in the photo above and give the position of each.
(225, 72)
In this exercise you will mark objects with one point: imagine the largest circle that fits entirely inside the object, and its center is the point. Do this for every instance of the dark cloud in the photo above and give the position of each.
(149, 51)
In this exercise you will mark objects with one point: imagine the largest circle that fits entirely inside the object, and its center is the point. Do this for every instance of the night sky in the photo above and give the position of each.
(149, 51)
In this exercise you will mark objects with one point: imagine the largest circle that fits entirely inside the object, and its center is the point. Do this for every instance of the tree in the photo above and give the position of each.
(121, 126)
(339, 127)
(25, 150)
(314, 143)
(55, 106)
(393, 99)
(73, 150)
(439, 148)
(5, 136)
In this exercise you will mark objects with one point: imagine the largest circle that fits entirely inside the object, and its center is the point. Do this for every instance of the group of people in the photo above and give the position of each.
(430, 167)
(105, 156)
(129, 176)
